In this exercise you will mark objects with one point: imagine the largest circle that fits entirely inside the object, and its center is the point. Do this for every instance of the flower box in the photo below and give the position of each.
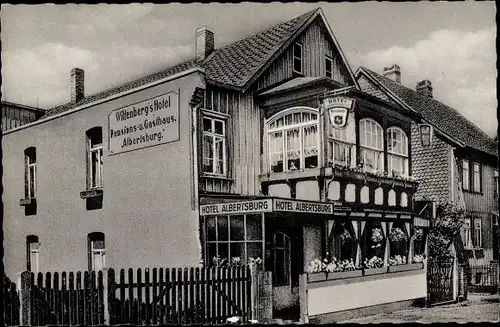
(344, 274)
(406, 267)
(316, 277)
(374, 271)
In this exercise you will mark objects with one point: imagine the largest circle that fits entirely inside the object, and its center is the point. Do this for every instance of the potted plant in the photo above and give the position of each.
(374, 266)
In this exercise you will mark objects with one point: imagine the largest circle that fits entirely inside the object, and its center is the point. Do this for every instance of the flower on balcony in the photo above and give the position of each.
(397, 260)
(335, 265)
(218, 261)
(374, 262)
(257, 261)
(397, 234)
(418, 233)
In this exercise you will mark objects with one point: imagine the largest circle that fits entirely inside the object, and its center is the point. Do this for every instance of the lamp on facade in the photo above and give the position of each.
(425, 135)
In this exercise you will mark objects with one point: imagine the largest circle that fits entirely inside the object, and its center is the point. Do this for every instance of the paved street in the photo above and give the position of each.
(477, 308)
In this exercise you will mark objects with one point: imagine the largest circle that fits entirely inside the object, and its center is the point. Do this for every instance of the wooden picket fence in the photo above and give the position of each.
(10, 303)
(141, 297)
(180, 296)
(65, 299)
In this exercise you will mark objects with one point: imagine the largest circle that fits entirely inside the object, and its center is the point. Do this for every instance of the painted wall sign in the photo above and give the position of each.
(147, 123)
(302, 206)
(338, 109)
(266, 205)
(240, 207)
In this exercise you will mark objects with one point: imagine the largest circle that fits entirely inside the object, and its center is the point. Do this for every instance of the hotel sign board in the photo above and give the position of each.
(338, 109)
(266, 205)
(144, 124)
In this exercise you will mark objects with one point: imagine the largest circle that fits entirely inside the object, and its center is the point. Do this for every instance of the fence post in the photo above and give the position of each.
(253, 291)
(25, 298)
(105, 295)
(304, 318)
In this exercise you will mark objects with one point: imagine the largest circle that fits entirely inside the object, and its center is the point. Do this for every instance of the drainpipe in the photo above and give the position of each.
(452, 161)
(195, 202)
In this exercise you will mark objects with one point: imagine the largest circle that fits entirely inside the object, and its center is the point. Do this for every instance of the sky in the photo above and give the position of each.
(452, 44)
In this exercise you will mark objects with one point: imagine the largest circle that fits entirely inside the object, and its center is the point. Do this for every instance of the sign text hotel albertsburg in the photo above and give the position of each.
(147, 123)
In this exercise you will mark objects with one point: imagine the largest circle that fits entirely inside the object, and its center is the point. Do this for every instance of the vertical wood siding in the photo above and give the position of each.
(315, 46)
(485, 201)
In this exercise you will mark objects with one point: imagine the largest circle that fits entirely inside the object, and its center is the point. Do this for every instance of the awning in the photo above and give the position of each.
(421, 222)
(271, 204)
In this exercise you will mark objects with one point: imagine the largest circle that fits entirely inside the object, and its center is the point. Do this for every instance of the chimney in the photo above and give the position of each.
(424, 88)
(77, 86)
(393, 73)
(204, 43)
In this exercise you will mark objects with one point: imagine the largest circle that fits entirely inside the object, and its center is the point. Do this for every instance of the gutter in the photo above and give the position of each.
(111, 97)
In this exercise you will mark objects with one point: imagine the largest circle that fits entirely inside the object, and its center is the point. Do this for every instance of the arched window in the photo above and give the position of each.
(371, 145)
(397, 152)
(293, 140)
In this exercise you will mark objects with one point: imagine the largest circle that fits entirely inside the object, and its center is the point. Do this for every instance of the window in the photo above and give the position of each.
(297, 58)
(467, 233)
(293, 140)
(30, 173)
(341, 241)
(236, 237)
(96, 249)
(397, 152)
(32, 253)
(495, 181)
(371, 145)
(328, 67)
(476, 177)
(94, 158)
(214, 146)
(465, 174)
(342, 145)
(477, 241)
(398, 240)
(282, 267)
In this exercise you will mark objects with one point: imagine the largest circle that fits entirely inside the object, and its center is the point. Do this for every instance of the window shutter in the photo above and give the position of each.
(87, 160)
(481, 177)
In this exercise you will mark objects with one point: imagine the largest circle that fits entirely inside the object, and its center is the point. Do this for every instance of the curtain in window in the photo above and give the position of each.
(293, 148)
(219, 152)
(207, 153)
(276, 151)
(372, 148)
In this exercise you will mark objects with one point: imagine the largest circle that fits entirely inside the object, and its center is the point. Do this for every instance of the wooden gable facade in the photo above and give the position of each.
(244, 116)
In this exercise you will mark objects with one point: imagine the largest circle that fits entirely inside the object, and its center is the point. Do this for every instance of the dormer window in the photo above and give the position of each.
(328, 67)
(297, 58)
(293, 140)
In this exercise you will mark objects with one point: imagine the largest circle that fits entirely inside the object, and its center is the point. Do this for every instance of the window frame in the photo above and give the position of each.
(476, 178)
(284, 129)
(468, 233)
(91, 239)
(465, 175)
(477, 240)
(30, 163)
(301, 58)
(246, 240)
(31, 240)
(214, 136)
(495, 181)
(327, 73)
(364, 146)
(332, 139)
(404, 154)
(93, 147)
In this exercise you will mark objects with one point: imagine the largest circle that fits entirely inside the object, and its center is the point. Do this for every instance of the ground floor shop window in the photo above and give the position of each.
(398, 240)
(342, 244)
(373, 240)
(233, 239)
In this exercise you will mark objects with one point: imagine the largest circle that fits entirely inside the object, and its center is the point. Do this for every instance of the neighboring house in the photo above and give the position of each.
(14, 115)
(460, 166)
(264, 148)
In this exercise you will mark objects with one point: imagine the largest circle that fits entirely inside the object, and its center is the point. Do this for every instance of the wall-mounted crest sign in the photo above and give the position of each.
(338, 109)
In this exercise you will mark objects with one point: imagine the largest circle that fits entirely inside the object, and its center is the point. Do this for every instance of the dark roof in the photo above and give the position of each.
(233, 65)
(238, 62)
(444, 117)
(22, 106)
(131, 85)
